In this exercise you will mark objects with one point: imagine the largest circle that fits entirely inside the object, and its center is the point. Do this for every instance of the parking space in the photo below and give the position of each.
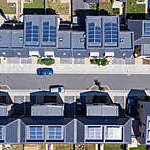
(71, 60)
(26, 60)
(13, 60)
(78, 61)
(17, 60)
(65, 60)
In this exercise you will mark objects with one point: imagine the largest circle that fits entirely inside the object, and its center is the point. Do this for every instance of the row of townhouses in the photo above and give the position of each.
(92, 118)
(46, 36)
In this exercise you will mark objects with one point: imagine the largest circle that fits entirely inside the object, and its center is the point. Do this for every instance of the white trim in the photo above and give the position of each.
(34, 53)
(94, 54)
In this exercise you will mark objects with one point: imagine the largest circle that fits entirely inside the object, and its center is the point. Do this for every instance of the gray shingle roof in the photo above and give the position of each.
(72, 45)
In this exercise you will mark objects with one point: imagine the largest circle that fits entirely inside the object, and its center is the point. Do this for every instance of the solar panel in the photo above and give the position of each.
(94, 132)
(55, 133)
(36, 133)
(147, 28)
(1, 135)
(111, 32)
(94, 33)
(49, 32)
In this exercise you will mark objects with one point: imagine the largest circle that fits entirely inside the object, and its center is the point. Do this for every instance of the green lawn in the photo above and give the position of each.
(59, 8)
(35, 4)
(106, 6)
(112, 147)
(132, 7)
(140, 147)
(6, 7)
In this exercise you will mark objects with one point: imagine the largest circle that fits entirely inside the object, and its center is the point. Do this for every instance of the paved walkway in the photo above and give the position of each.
(77, 69)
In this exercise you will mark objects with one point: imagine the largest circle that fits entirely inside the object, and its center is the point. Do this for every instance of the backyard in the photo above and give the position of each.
(132, 7)
(106, 6)
(6, 7)
(140, 147)
(60, 8)
(112, 147)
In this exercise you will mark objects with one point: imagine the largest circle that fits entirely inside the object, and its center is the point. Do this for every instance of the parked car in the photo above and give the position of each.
(45, 71)
(56, 88)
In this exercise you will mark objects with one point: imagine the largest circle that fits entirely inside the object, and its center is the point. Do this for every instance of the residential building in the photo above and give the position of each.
(41, 36)
(141, 29)
(48, 123)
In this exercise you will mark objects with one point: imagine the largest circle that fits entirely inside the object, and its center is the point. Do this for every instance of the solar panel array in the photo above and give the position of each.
(94, 132)
(32, 32)
(55, 133)
(147, 28)
(49, 32)
(111, 32)
(94, 33)
(36, 133)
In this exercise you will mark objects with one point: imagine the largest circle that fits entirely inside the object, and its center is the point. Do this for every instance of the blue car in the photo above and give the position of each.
(45, 71)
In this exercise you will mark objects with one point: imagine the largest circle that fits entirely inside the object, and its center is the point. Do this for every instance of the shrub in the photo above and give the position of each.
(46, 61)
(116, 10)
(101, 61)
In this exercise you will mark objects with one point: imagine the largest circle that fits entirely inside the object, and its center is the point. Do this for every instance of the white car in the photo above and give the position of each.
(56, 88)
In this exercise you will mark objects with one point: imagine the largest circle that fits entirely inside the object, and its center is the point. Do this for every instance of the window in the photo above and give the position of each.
(149, 124)
(113, 133)
(94, 132)
(148, 135)
(54, 133)
(1, 134)
(36, 133)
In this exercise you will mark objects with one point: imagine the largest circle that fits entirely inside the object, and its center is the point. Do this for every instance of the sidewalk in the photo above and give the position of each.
(76, 69)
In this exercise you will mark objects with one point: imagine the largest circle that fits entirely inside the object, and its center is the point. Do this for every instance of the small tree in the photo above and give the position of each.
(101, 61)
(46, 61)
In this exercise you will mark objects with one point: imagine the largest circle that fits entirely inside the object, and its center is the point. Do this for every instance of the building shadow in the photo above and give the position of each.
(5, 98)
(2, 14)
(36, 98)
(132, 101)
(38, 11)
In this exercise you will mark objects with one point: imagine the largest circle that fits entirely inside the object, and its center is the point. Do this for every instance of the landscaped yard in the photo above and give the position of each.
(140, 147)
(112, 147)
(60, 8)
(35, 4)
(70, 147)
(6, 7)
(106, 6)
(132, 7)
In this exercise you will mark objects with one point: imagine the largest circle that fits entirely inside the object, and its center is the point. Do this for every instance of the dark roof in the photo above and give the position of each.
(46, 120)
(103, 121)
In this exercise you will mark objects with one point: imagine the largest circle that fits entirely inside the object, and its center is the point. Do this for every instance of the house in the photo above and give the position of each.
(144, 122)
(141, 29)
(48, 124)
(40, 36)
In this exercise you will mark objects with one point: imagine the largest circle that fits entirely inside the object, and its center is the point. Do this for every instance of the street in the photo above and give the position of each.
(76, 81)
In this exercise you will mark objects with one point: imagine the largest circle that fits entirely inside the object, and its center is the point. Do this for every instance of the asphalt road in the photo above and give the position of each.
(115, 82)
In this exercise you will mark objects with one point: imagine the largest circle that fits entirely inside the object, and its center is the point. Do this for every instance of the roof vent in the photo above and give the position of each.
(19, 53)
(4, 53)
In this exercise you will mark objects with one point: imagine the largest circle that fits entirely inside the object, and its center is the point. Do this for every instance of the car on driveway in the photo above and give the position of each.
(56, 88)
(45, 71)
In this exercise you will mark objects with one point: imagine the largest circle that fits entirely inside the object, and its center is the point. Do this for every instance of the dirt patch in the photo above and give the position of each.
(96, 88)
(4, 87)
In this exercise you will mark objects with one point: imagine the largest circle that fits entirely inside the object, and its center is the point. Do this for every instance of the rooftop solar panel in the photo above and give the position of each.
(111, 32)
(94, 33)
(49, 32)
